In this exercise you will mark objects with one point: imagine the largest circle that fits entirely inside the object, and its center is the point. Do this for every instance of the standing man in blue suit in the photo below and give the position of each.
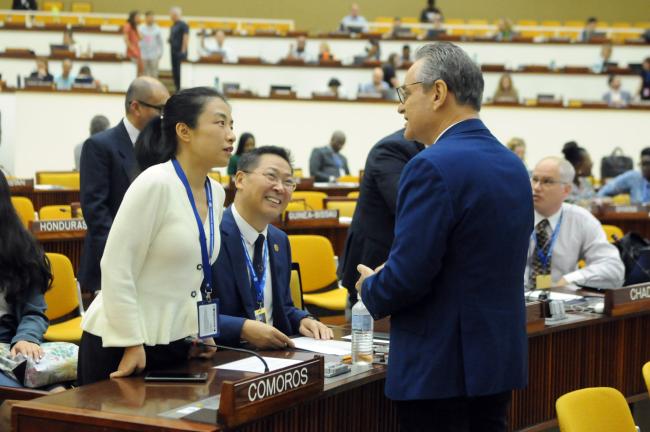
(453, 280)
(253, 269)
(107, 168)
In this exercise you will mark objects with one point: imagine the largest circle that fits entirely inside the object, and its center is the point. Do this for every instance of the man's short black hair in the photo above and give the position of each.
(248, 161)
(645, 152)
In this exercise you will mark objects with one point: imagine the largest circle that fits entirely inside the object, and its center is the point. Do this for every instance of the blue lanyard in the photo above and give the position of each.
(546, 258)
(258, 283)
(205, 256)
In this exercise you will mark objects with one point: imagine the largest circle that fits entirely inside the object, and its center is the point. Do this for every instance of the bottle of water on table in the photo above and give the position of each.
(361, 334)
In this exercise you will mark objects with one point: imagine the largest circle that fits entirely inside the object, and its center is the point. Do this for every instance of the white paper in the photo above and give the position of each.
(374, 340)
(253, 364)
(533, 295)
(323, 346)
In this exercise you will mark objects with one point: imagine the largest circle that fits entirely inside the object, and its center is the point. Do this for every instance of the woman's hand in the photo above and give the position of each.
(28, 349)
(133, 361)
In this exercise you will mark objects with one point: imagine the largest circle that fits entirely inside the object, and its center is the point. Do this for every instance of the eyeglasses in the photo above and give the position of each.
(401, 91)
(545, 181)
(148, 105)
(288, 183)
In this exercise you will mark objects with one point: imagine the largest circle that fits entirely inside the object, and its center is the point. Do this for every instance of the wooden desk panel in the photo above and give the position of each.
(637, 222)
(69, 244)
(42, 198)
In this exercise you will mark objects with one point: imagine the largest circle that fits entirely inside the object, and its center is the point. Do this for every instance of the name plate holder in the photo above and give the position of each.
(252, 398)
(534, 317)
(630, 299)
(58, 226)
(311, 217)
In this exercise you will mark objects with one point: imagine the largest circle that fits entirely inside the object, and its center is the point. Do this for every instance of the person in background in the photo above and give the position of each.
(377, 86)
(25, 276)
(428, 13)
(326, 164)
(98, 123)
(371, 232)
(151, 45)
(398, 30)
(324, 52)
(132, 40)
(518, 147)
(373, 50)
(160, 264)
(354, 23)
(179, 37)
(216, 45)
(505, 29)
(65, 80)
(299, 50)
(634, 183)
(85, 76)
(259, 309)
(644, 90)
(579, 158)
(246, 144)
(565, 234)
(506, 91)
(389, 70)
(406, 55)
(590, 29)
(24, 5)
(42, 72)
(605, 59)
(616, 97)
(69, 43)
(334, 86)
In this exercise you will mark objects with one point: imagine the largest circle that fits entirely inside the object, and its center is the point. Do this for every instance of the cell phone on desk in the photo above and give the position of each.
(162, 376)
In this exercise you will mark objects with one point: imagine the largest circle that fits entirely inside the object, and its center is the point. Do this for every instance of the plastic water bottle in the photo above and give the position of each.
(361, 334)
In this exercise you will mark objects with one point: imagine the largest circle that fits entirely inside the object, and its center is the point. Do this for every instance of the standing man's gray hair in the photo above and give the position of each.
(449, 63)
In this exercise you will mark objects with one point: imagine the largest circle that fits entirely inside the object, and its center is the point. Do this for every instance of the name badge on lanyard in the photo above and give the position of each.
(258, 283)
(208, 308)
(544, 281)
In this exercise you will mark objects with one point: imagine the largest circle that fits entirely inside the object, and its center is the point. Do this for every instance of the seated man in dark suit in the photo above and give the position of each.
(327, 164)
(253, 269)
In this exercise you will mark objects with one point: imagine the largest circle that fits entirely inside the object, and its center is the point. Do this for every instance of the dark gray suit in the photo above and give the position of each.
(322, 164)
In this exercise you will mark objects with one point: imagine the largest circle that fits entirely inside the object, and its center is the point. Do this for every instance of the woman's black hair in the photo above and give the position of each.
(242, 142)
(131, 20)
(23, 264)
(575, 155)
(157, 141)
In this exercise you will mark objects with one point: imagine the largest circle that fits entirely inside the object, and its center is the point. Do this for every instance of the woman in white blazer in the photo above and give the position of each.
(165, 232)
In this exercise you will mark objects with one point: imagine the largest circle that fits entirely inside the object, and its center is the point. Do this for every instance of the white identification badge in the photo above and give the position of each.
(208, 313)
(260, 315)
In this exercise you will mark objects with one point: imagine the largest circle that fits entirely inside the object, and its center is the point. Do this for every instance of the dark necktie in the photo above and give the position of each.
(258, 257)
(537, 267)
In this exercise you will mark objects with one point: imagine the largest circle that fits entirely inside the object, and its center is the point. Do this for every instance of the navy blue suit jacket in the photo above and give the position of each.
(234, 289)
(453, 282)
(108, 166)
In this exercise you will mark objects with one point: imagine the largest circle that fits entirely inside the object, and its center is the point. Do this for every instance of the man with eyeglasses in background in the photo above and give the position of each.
(565, 234)
(107, 168)
(253, 269)
(635, 183)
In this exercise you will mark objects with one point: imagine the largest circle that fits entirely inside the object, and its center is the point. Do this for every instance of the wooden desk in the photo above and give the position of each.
(42, 197)
(598, 351)
(69, 244)
(638, 222)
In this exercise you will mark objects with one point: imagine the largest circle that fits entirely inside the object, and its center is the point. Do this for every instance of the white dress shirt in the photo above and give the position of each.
(581, 237)
(250, 234)
(151, 273)
(133, 132)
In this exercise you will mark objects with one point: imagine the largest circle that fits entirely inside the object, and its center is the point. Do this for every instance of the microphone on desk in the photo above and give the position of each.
(196, 342)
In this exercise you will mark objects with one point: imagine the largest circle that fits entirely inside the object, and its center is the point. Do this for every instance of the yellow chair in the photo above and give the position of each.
(345, 208)
(24, 208)
(225, 180)
(55, 212)
(646, 375)
(63, 299)
(53, 6)
(348, 179)
(612, 233)
(215, 175)
(67, 179)
(295, 205)
(527, 22)
(595, 409)
(295, 286)
(313, 199)
(81, 7)
(354, 194)
(298, 173)
(315, 256)
(621, 199)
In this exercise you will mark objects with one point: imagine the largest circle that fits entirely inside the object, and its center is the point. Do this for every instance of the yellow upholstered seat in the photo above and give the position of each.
(295, 286)
(345, 208)
(67, 179)
(348, 179)
(55, 212)
(596, 409)
(63, 298)
(646, 375)
(621, 199)
(354, 194)
(81, 7)
(215, 175)
(298, 173)
(315, 256)
(24, 208)
(612, 233)
(313, 199)
(52, 6)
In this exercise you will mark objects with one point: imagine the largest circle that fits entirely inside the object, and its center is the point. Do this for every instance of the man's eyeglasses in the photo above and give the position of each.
(148, 105)
(545, 181)
(401, 91)
(288, 183)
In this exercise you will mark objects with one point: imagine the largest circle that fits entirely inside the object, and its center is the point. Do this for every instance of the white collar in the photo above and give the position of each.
(131, 130)
(249, 233)
(449, 127)
(552, 220)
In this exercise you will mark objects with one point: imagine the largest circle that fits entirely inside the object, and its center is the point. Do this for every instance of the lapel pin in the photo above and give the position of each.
(276, 247)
